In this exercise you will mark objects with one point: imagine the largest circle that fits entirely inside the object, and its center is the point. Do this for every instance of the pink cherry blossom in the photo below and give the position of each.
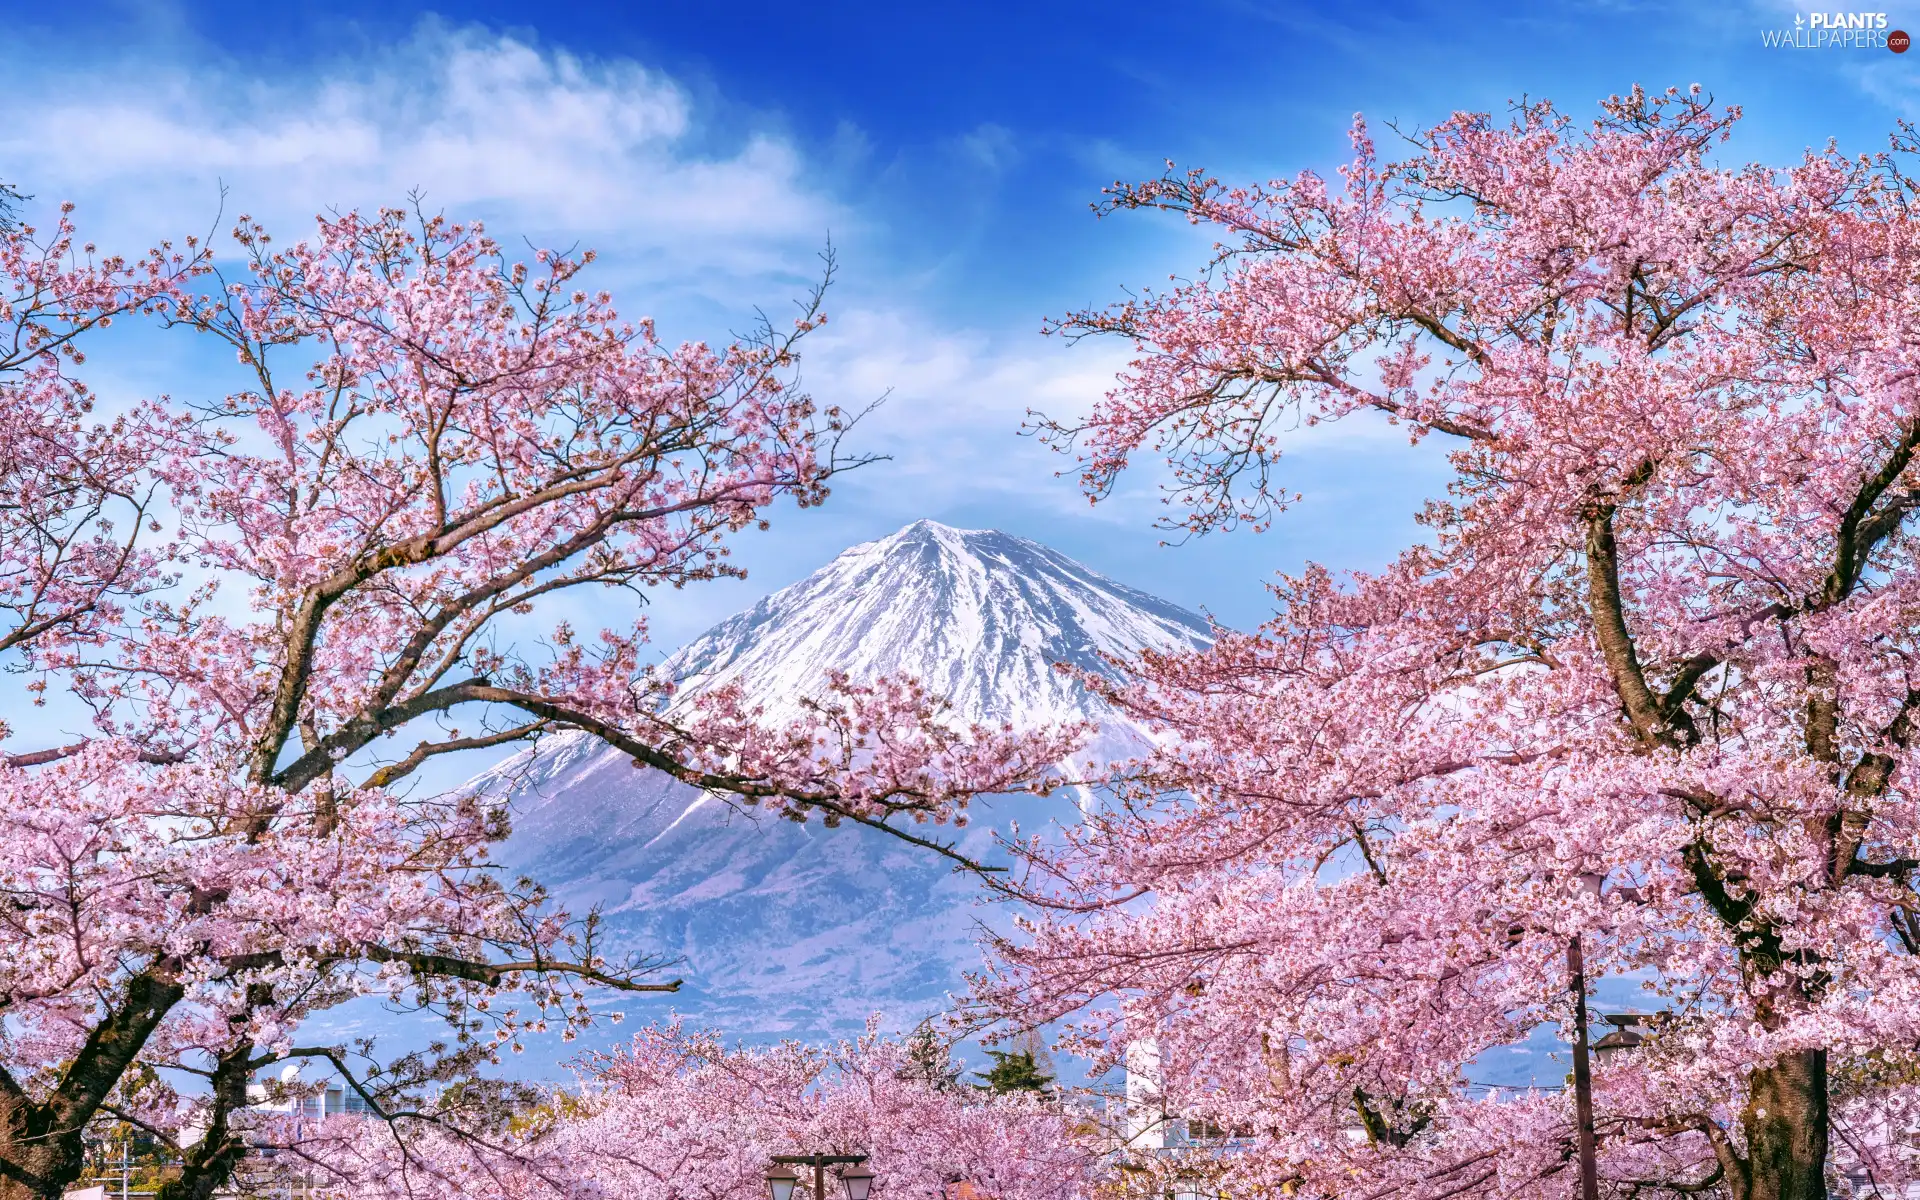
(675, 1115)
(1650, 681)
(426, 445)
(75, 494)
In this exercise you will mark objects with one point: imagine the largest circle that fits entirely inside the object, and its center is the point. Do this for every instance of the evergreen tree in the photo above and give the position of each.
(1013, 1071)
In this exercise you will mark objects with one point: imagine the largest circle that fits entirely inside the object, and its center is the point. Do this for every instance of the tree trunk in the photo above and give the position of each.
(1786, 1128)
(41, 1151)
(38, 1166)
(210, 1163)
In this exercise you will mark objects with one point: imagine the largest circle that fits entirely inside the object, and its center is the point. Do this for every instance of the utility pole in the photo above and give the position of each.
(1582, 1074)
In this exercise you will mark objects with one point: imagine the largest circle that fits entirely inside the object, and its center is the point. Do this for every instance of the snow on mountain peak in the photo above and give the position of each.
(981, 616)
(793, 929)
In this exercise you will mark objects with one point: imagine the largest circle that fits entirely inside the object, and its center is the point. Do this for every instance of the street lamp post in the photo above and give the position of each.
(781, 1177)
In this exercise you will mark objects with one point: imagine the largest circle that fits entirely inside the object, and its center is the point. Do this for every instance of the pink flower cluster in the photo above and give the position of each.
(281, 603)
(1651, 680)
(676, 1115)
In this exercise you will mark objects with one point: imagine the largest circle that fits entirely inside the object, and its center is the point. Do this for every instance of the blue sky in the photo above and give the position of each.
(949, 151)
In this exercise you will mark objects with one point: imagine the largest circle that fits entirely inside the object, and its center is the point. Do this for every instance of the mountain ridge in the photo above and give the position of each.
(789, 929)
(943, 616)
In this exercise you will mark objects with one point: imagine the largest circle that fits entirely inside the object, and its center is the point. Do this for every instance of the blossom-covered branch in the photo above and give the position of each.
(426, 444)
(1649, 683)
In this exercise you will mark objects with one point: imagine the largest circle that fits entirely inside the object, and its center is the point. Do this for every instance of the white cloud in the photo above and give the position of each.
(958, 399)
(543, 141)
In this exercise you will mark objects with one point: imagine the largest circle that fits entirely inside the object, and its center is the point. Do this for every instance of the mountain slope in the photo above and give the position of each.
(980, 615)
(795, 929)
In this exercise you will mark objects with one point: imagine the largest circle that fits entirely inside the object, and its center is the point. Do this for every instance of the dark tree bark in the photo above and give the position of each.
(1786, 1126)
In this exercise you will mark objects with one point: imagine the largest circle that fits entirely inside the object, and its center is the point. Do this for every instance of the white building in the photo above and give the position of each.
(333, 1099)
(1144, 1125)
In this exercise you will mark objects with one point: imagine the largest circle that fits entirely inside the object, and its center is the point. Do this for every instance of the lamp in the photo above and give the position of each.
(859, 1181)
(1629, 1031)
(780, 1182)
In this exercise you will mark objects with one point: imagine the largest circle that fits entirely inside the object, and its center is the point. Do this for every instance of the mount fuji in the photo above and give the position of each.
(795, 930)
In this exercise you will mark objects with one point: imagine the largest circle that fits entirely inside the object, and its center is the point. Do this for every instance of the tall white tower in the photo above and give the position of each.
(1146, 1122)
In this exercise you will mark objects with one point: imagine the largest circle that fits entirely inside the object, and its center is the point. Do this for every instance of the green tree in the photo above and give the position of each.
(1013, 1071)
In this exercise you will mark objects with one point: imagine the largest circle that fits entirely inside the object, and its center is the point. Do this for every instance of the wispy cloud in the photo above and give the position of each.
(547, 142)
(694, 224)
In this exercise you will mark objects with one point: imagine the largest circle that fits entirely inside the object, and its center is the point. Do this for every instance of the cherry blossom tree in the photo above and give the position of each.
(63, 563)
(673, 1115)
(1649, 682)
(281, 604)
(677, 1115)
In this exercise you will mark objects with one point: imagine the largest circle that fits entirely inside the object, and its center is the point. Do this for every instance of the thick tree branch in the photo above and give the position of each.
(209, 1164)
(495, 974)
(110, 1050)
(362, 730)
(1883, 870)
(1645, 713)
(1673, 706)
(1860, 530)
(39, 758)
(1867, 780)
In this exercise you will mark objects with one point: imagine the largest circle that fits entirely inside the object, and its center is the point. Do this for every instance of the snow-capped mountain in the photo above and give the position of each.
(794, 929)
(980, 615)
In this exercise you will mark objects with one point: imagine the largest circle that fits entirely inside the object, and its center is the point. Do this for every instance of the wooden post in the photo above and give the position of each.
(1582, 1074)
